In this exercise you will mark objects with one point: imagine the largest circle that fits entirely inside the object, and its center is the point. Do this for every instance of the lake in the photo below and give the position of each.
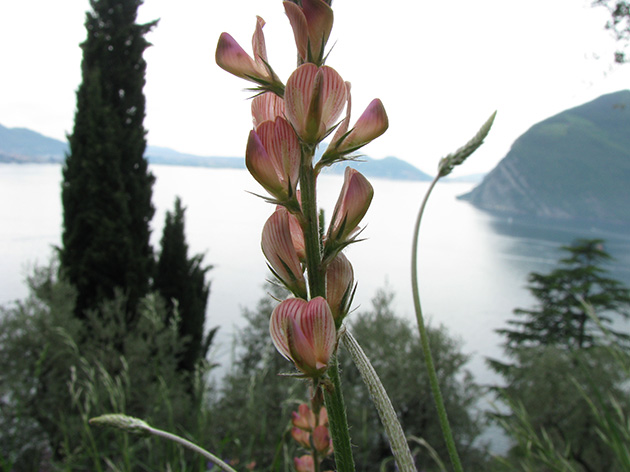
(473, 266)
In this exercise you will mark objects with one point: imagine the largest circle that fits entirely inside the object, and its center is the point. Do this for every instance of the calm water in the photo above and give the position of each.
(473, 267)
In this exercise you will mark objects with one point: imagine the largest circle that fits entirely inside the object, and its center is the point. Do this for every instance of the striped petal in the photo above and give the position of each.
(282, 316)
(299, 26)
(260, 164)
(352, 205)
(266, 107)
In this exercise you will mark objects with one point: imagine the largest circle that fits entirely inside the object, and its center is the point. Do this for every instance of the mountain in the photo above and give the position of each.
(24, 145)
(21, 145)
(572, 166)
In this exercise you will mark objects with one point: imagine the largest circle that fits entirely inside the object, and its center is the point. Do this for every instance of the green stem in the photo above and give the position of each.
(333, 397)
(310, 226)
(337, 420)
(433, 379)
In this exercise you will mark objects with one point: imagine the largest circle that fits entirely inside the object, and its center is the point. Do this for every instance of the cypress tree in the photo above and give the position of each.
(182, 282)
(107, 187)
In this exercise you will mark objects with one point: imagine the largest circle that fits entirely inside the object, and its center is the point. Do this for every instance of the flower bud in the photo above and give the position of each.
(273, 157)
(231, 57)
(311, 24)
(278, 248)
(314, 98)
(339, 286)
(304, 332)
(372, 123)
(354, 201)
(322, 441)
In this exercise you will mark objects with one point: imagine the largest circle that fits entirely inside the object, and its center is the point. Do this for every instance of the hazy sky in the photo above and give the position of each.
(440, 67)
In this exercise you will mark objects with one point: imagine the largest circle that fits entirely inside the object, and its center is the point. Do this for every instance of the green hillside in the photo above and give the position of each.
(574, 165)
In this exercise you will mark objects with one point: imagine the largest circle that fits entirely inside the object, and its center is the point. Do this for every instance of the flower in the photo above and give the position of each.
(304, 463)
(277, 246)
(273, 157)
(352, 204)
(322, 441)
(266, 107)
(303, 438)
(339, 286)
(372, 123)
(230, 56)
(314, 98)
(304, 418)
(311, 24)
(304, 332)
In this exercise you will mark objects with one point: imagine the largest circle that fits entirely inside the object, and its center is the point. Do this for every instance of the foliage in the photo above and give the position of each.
(253, 413)
(566, 385)
(52, 381)
(561, 317)
(619, 23)
(182, 282)
(394, 349)
(107, 187)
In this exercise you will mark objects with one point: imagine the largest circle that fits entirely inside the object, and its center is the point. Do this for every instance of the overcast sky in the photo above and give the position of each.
(440, 68)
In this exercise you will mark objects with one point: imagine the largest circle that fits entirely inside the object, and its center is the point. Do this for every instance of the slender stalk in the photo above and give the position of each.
(337, 420)
(333, 397)
(435, 387)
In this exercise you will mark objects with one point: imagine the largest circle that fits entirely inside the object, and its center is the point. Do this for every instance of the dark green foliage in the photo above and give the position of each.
(253, 414)
(52, 382)
(553, 388)
(182, 283)
(393, 346)
(619, 23)
(562, 375)
(561, 318)
(107, 187)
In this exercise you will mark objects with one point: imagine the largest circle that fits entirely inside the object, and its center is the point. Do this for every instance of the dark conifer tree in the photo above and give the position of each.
(182, 282)
(561, 317)
(107, 187)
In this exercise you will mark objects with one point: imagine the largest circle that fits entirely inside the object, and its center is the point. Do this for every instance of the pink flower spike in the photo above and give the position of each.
(314, 98)
(266, 107)
(305, 333)
(277, 246)
(354, 201)
(372, 123)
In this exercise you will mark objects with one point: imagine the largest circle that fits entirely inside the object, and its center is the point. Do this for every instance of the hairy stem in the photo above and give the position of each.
(433, 379)
(317, 288)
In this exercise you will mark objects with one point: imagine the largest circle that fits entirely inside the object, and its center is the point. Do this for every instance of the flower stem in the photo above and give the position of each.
(337, 420)
(433, 379)
(333, 397)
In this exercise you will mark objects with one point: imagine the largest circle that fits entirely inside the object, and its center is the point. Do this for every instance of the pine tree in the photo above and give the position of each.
(182, 282)
(561, 317)
(107, 187)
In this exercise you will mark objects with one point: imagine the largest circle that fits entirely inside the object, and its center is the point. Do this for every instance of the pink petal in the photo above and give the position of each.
(345, 123)
(339, 279)
(285, 148)
(334, 95)
(298, 94)
(266, 107)
(354, 201)
(231, 57)
(258, 44)
(318, 325)
(319, 17)
(321, 440)
(372, 123)
(260, 164)
(281, 317)
(299, 26)
(277, 246)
